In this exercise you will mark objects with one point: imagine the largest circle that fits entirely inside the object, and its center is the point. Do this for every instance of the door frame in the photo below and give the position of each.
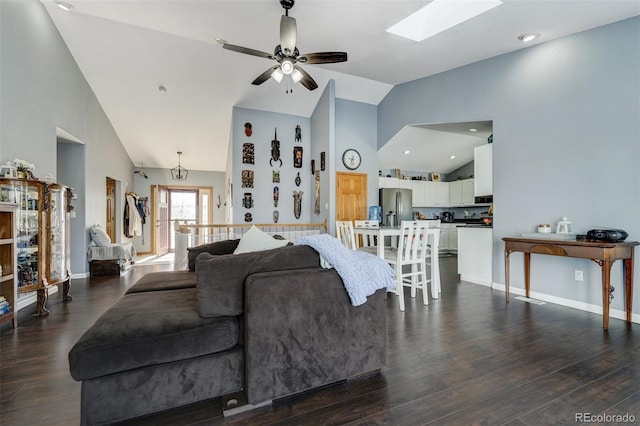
(202, 190)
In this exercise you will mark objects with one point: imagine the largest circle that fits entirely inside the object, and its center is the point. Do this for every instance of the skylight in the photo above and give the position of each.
(440, 15)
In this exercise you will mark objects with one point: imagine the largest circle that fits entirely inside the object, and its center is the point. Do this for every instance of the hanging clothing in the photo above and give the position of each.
(132, 219)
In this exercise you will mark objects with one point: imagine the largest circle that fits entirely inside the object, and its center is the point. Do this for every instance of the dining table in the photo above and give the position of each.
(433, 235)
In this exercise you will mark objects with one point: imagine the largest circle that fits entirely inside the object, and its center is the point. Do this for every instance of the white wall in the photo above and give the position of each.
(566, 143)
(42, 89)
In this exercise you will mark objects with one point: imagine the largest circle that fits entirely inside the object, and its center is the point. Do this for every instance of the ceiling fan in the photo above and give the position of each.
(287, 54)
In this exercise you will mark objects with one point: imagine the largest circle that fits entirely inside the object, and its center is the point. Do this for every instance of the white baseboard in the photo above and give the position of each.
(80, 276)
(476, 280)
(588, 307)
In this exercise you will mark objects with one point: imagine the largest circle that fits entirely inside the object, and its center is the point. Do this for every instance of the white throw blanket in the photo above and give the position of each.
(362, 273)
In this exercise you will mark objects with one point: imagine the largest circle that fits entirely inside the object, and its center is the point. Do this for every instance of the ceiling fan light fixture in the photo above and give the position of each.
(286, 66)
(179, 172)
(277, 75)
(296, 76)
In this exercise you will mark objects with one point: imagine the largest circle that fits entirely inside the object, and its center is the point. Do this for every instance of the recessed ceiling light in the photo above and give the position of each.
(451, 157)
(407, 152)
(473, 130)
(439, 15)
(527, 37)
(64, 6)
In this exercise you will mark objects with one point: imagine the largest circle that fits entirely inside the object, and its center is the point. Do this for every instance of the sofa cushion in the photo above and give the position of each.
(99, 236)
(220, 279)
(217, 248)
(168, 280)
(256, 239)
(150, 328)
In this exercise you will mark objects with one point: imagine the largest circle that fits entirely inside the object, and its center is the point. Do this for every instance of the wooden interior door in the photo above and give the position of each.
(161, 219)
(111, 209)
(351, 196)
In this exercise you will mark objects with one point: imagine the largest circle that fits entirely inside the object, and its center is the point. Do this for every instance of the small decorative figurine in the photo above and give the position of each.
(298, 180)
(298, 133)
(247, 153)
(297, 157)
(247, 217)
(248, 131)
(297, 203)
(275, 150)
(276, 196)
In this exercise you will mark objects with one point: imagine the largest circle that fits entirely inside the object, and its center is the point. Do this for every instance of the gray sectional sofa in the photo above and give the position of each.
(269, 324)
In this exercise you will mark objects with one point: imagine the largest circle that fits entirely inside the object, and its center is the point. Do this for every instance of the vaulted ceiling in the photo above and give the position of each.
(127, 49)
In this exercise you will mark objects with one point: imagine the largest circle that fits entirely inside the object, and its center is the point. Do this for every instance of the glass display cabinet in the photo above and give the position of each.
(42, 238)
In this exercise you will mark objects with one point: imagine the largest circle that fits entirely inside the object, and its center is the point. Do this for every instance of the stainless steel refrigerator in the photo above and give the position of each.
(396, 205)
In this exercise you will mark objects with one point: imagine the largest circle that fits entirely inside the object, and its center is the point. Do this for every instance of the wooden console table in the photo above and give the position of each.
(603, 253)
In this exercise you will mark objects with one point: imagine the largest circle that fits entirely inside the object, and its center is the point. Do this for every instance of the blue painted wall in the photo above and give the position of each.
(566, 142)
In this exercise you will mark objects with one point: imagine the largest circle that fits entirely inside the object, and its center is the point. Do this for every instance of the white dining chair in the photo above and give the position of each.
(366, 242)
(344, 232)
(411, 252)
(435, 288)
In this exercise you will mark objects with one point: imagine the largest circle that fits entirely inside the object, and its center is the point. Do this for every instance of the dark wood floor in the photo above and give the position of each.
(467, 358)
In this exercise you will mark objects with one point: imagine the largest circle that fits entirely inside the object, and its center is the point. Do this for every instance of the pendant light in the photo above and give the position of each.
(179, 172)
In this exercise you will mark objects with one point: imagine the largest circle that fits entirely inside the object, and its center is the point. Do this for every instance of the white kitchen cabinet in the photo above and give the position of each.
(483, 169)
(387, 182)
(453, 238)
(475, 255)
(405, 183)
(418, 192)
(436, 194)
(444, 237)
(468, 194)
(455, 193)
(461, 193)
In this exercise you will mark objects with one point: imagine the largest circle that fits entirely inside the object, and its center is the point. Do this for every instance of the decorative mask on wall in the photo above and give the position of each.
(298, 180)
(248, 153)
(247, 200)
(275, 150)
(247, 178)
(297, 157)
(275, 176)
(248, 131)
(298, 134)
(297, 203)
(276, 196)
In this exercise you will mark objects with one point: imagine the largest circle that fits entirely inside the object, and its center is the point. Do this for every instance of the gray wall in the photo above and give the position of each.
(42, 88)
(566, 143)
(357, 127)
(142, 188)
(323, 136)
(264, 125)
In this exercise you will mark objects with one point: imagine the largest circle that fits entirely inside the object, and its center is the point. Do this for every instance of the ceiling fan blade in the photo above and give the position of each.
(306, 79)
(323, 57)
(288, 30)
(265, 75)
(248, 51)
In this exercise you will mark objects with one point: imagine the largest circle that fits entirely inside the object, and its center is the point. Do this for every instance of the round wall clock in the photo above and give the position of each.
(351, 159)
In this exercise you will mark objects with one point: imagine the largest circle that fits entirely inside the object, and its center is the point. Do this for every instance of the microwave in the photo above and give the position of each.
(485, 199)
